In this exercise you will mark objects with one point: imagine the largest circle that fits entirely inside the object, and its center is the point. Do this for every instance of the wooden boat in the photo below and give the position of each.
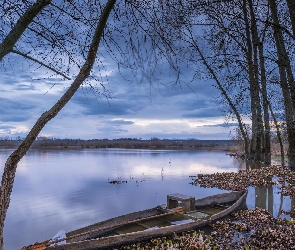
(110, 233)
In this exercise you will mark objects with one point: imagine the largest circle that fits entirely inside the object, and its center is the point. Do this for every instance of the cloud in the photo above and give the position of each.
(103, 106)
(225, 125)
(119, 122)
(14, 111)
(113, 126)
(203, 112)
(135, 109)
(13, 130)
(138, 104)
(6, 129)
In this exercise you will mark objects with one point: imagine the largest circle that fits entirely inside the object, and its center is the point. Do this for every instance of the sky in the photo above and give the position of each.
(134, 110)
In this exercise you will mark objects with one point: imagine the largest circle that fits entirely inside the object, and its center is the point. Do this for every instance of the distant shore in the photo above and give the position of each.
(225, 145)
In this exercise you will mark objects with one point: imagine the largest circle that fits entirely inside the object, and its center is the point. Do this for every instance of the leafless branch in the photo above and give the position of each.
(41, 63)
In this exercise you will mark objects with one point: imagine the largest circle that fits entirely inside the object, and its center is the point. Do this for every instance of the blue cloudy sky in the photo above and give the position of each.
(134, 109)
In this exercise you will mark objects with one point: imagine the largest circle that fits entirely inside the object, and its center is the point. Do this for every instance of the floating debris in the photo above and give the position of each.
(117, 182)
(253, 229)
(262, 177)
(250, 229)
(291, 213)
(189, 240)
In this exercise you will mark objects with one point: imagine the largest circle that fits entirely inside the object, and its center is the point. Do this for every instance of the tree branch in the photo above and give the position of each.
(22, 24)
(41, 63)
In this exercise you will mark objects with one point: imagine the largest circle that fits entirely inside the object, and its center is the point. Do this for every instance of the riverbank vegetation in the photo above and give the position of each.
(247, 229)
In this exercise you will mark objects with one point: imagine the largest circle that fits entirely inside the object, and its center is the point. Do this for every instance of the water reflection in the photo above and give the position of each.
(67, 189)
(269, 198)
(241, 164)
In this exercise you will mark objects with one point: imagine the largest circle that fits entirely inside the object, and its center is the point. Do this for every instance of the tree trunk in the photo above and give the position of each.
(15, 157)
(278, 135)
(289, 112)
(292, 207)
(251, 56)
(291, 6)
(258, 45)
(269, 198)
(267, 147)
(287, 83)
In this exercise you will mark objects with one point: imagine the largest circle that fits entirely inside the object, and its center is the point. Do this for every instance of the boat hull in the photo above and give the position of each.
(84, 242)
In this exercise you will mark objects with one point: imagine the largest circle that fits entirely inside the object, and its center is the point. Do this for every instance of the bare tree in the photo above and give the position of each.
(246, 24)
(64, 37)
(286, 81)
(15, 157)
(259, 56)
(240, 31)
(228, 26)
(225, 95)
(236, 42)
(252, 61)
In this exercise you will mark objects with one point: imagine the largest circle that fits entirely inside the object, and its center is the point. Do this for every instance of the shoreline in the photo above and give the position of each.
(230, 150)
(224, 145)
(221, 148)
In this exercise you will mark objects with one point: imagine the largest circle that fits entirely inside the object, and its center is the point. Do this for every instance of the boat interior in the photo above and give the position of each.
(170, 219)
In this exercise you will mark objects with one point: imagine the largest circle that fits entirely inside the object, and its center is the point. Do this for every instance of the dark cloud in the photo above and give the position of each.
(193, 102)
(22, 79)
(122, 104)
(24, 87)
(111, 107)
(14, 117)
(14, 111)
(203, 112)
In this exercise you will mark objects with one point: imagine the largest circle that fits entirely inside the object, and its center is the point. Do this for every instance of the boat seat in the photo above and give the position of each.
(181, 200)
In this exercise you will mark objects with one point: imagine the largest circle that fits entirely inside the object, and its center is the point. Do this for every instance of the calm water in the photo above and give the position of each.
(68, 189)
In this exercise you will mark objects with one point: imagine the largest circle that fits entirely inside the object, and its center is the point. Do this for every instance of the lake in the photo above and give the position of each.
(68, 189)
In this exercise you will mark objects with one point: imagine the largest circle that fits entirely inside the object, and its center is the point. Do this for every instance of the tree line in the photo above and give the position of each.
(55, 143)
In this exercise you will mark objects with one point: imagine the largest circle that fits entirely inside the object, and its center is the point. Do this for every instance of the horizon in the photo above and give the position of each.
(114, 139)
